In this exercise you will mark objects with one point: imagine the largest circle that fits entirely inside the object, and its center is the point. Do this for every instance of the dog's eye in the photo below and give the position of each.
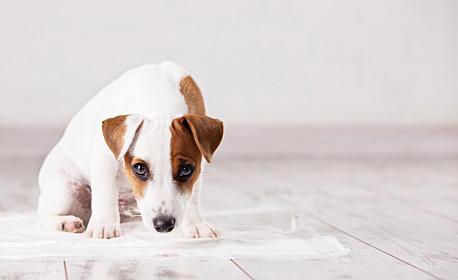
(141, 171)
(185, 172)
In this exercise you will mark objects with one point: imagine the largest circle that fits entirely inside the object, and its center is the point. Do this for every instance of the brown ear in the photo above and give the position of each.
(119, 132)
(207, 132)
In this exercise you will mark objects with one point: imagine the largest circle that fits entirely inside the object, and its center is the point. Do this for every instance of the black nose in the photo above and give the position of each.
(164, 223)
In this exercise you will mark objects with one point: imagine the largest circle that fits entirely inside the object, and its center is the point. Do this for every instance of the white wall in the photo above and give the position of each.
(257, 61)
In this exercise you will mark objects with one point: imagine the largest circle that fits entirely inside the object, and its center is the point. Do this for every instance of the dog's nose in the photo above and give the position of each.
(164, 223)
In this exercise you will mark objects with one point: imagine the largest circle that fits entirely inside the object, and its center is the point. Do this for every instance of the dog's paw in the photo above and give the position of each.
(73, 224)
(201, 230)
(103, 230)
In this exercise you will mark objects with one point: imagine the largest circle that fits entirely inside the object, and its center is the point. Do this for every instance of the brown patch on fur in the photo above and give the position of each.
(113, 132)
(207, 133)
(138, 186)
(193, 136)
(184, 151)
(192, 96)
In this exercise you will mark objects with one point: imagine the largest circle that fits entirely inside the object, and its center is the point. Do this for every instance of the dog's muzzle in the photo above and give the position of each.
(164, 223)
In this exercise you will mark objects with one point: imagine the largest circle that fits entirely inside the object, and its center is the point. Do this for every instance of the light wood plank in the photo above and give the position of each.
(430, 186)
(363, 263)
(416, 236)
(46, 269)
(19, 183)
(154, 269)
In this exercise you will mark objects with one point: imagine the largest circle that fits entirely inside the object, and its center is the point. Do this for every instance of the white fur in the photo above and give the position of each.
(151, 94)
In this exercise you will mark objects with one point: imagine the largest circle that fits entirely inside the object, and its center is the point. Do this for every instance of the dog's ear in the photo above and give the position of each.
(207, 132)
(119, 133)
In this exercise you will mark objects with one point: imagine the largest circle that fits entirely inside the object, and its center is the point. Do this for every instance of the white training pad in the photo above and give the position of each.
(246, 234)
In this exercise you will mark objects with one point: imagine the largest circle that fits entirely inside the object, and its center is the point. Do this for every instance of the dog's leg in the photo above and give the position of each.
(57, 180)
(194, 225)
(105, 219)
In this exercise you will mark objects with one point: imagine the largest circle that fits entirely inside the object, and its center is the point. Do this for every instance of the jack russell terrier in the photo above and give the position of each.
(141, 141)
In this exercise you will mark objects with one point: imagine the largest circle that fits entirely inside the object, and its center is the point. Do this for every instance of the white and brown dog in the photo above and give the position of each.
(140, 139)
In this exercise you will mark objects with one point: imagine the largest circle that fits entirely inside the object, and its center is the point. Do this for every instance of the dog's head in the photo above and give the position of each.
(162, 159)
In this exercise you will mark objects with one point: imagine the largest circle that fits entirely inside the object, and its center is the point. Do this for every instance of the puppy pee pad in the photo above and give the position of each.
(246, 234)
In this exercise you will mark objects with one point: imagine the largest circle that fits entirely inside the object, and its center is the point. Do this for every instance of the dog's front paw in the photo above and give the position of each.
(103, 230)
(72, 224)
(200, 230)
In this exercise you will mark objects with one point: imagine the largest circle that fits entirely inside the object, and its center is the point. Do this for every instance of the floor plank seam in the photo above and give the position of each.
(242, 269)
(376, 248)
(65, 270)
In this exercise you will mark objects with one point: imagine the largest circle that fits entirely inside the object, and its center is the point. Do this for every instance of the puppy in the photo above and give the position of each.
(140, 141)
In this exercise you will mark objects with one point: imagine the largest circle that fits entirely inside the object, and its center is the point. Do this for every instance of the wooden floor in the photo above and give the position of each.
(395, 205)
